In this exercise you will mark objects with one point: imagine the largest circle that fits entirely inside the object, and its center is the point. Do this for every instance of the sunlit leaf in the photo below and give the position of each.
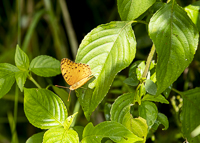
(45, 66)
(113, 130)
(132, 9)
(43, 108)
(61, 135)
(21, 59)
(108, 49)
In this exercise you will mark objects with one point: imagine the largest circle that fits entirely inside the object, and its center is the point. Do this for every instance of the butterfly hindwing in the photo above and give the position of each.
(74, 72)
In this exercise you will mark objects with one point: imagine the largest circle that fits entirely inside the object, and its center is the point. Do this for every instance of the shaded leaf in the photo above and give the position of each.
(148, 111)
(158, 98)
(36, 138)
(190, 113)
(7, 77)
(175, 37)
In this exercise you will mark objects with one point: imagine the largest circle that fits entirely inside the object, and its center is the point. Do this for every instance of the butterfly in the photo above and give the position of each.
(75, 74)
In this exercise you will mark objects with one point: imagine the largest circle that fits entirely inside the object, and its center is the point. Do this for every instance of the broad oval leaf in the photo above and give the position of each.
(148, 111)
(175, 37)
(113, 130)
(43, 108)
(190, 113)
(150, 87)
(108, 49)
(21, 59)
(45, 66)
(7, 77)
(132, 9)
(61, 135)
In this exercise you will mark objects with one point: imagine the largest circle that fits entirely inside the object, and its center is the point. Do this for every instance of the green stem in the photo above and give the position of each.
(153, 49)
(19, 22)
(69, 27)
(32, 79)
(76, 109)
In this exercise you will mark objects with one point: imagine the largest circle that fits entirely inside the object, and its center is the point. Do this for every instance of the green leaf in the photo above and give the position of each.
(21, 59)
(63, 94)
(161, 119)
(150, 87)
(132, 9)
(20, 77)
(108, 49)
(120, 112)
(113, 130)
(7, 77)
(140, 70)
(148, 111)
(193, 12)
(43, 108)
(69, 121)
(131, 81)
(61, 135)
(167, 91)
(79, 130)
(45, 66)
(36, 138)
(107, 108)
(190, 113)
(175, 37)
(121, 106)
(138, 126)
(158, 98)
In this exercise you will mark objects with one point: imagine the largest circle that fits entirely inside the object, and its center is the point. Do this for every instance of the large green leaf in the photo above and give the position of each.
(45, 66)
(44, 109)
(175, 37)
(21, 59)
(108, 49)
(60, 135)
(7, 77)
(132, 9)
(113, 130)
(190, 113)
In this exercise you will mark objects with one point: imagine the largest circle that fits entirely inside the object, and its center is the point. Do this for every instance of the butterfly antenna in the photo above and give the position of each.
(61, 86)
(69, 95)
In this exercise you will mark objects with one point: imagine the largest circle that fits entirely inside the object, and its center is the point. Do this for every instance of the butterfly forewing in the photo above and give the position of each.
(74, 72)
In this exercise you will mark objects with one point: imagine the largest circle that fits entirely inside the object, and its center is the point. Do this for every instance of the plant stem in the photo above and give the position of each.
(69, 27)
(32, 79)
(76, 109)
(148, 61)
(19, 23)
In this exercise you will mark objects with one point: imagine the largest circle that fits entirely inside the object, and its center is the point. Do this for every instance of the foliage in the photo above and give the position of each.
(132, 104)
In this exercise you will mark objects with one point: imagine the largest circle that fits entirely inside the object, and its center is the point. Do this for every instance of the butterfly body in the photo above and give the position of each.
(75, 74)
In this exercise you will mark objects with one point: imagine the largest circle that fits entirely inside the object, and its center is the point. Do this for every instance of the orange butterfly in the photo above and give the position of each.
(75, 74)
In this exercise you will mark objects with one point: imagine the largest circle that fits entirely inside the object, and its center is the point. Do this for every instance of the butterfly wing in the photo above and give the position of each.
(74, 72)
